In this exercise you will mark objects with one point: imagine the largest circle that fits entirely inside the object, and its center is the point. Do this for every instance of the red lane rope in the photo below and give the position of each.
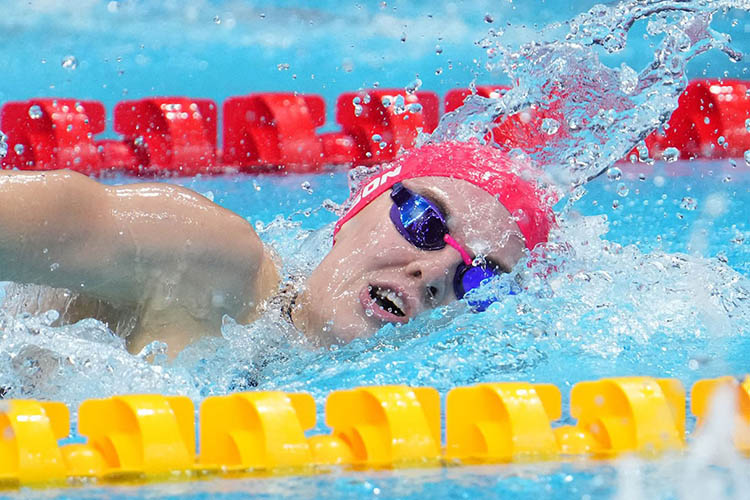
(276, 132)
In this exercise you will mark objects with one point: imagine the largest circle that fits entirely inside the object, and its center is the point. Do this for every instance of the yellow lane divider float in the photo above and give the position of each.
(148, 436)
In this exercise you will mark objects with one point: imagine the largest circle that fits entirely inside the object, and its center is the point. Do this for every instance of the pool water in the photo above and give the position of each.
(688, 320)
(651, 268)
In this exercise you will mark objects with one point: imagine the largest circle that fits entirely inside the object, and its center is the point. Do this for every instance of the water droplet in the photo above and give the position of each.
(69, 62)
(382, 145)
(438, 71)
(414, 107)
(616, 204)
(747, 124)
(19, 149)
(707, 120)
(642, 152)
(217, 20)
(489, 19)
(628, 79)
(641, 177)
(577, 193)
(35, 112)
(550, 126)
(3, 145)
(671, 154)
(413, 86)
(614, 174)
(403, 37)
(399, 105)
(307, 187)
(438, 49)
(376, 138)
(747, 157)
(688, 203)
(282, 66)
(622, 190)
(54, 266)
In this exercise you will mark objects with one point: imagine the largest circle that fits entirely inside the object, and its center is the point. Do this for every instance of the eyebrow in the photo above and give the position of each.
(435, 197)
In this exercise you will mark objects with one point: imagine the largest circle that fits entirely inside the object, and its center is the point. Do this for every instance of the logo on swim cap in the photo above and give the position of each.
(375, 183)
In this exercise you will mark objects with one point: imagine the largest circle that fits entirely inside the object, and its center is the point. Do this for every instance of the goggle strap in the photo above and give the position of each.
(464, 254)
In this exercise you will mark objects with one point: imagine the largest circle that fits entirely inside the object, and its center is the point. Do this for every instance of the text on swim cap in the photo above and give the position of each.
(375, 183)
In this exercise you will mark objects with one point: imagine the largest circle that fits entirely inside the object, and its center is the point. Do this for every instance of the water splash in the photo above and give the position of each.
(607, 309)
(600, 112)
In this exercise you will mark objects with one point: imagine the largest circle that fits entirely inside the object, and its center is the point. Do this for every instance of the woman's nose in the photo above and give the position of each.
(434, 270)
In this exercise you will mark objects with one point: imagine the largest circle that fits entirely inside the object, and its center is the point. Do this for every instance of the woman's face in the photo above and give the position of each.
(371, 260)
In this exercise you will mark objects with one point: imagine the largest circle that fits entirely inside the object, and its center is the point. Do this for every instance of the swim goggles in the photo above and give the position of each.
(423, 225)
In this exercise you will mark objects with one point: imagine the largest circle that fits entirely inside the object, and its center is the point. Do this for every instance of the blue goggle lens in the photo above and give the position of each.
(418, 220)
(468, 278)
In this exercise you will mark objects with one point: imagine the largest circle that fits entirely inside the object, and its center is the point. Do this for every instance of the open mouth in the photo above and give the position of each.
(388, 300)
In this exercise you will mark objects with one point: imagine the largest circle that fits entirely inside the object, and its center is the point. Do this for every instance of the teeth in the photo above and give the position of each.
(393, 297)
(389, 300)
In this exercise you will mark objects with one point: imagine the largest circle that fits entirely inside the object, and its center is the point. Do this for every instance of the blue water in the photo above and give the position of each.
(504, 344)
(652, 274)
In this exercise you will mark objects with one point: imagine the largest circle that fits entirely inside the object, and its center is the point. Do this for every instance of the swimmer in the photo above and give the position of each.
(161, 262)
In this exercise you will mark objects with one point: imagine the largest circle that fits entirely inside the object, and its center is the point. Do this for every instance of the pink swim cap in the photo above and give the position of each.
(512, 183)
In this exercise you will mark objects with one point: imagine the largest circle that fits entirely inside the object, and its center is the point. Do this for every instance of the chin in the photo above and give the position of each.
(349, 330)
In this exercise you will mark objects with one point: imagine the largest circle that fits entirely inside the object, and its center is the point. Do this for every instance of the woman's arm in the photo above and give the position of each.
(155, 246)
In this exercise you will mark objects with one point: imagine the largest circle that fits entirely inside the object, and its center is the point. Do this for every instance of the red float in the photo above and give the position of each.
(46, 134)
(384, 121)
(522, 130)
(169, 134)
(709, 122)
(277, 130)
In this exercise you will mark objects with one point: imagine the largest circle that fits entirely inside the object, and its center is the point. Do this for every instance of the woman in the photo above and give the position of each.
(160, 262)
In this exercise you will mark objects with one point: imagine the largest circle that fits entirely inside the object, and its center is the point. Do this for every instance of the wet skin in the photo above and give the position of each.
(337, 304)
(180, 262)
